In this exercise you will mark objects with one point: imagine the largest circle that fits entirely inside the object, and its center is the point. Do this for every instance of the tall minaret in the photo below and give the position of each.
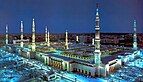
(33, 36)
(47, 37)
(135, 37)
(97, 52)
(21, 30)
(77, 39)
(6, 36)
(66, 43)
(93, 41)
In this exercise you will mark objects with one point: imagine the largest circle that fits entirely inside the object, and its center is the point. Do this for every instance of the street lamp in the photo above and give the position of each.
(62, 73)
(11, 73)
(75, 78)
(4, 68)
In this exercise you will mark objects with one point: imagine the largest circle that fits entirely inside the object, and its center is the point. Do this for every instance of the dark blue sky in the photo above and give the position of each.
(74, 15)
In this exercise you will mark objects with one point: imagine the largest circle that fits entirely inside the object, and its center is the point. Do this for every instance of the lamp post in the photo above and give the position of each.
(75, 78)
(11, 74)
(5, 69)
(62, 74)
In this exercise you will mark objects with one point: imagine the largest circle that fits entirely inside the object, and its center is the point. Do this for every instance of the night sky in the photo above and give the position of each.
(74, 15)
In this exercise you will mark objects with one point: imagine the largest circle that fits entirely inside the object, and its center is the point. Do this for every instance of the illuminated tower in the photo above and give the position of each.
(135, 37)
(6, 36)
(66, 43)
(21, 30)
(77, 39)
(47, 37)
(33, 36)
(97, 52)
(93, 41)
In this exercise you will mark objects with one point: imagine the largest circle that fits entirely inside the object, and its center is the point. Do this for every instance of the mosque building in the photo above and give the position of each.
(90, 64)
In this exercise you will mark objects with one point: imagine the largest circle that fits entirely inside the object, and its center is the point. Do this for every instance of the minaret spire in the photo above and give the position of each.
(6, 40)
(66, 43)
(97, 13)
(47, 36)
(135, 36)
(97, 52)
(33, 36)
(21, 30)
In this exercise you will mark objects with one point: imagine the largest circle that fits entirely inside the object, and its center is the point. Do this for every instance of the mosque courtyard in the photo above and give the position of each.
(15, 68)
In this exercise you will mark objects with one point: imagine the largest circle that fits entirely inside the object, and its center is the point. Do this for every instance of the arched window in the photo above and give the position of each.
(82, 71)
(78, 70)
(85, 72)
(89, 74)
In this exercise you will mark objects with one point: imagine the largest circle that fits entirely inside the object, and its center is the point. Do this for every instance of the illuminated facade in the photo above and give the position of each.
(90, 66)
(73, 63)
(60, 54)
